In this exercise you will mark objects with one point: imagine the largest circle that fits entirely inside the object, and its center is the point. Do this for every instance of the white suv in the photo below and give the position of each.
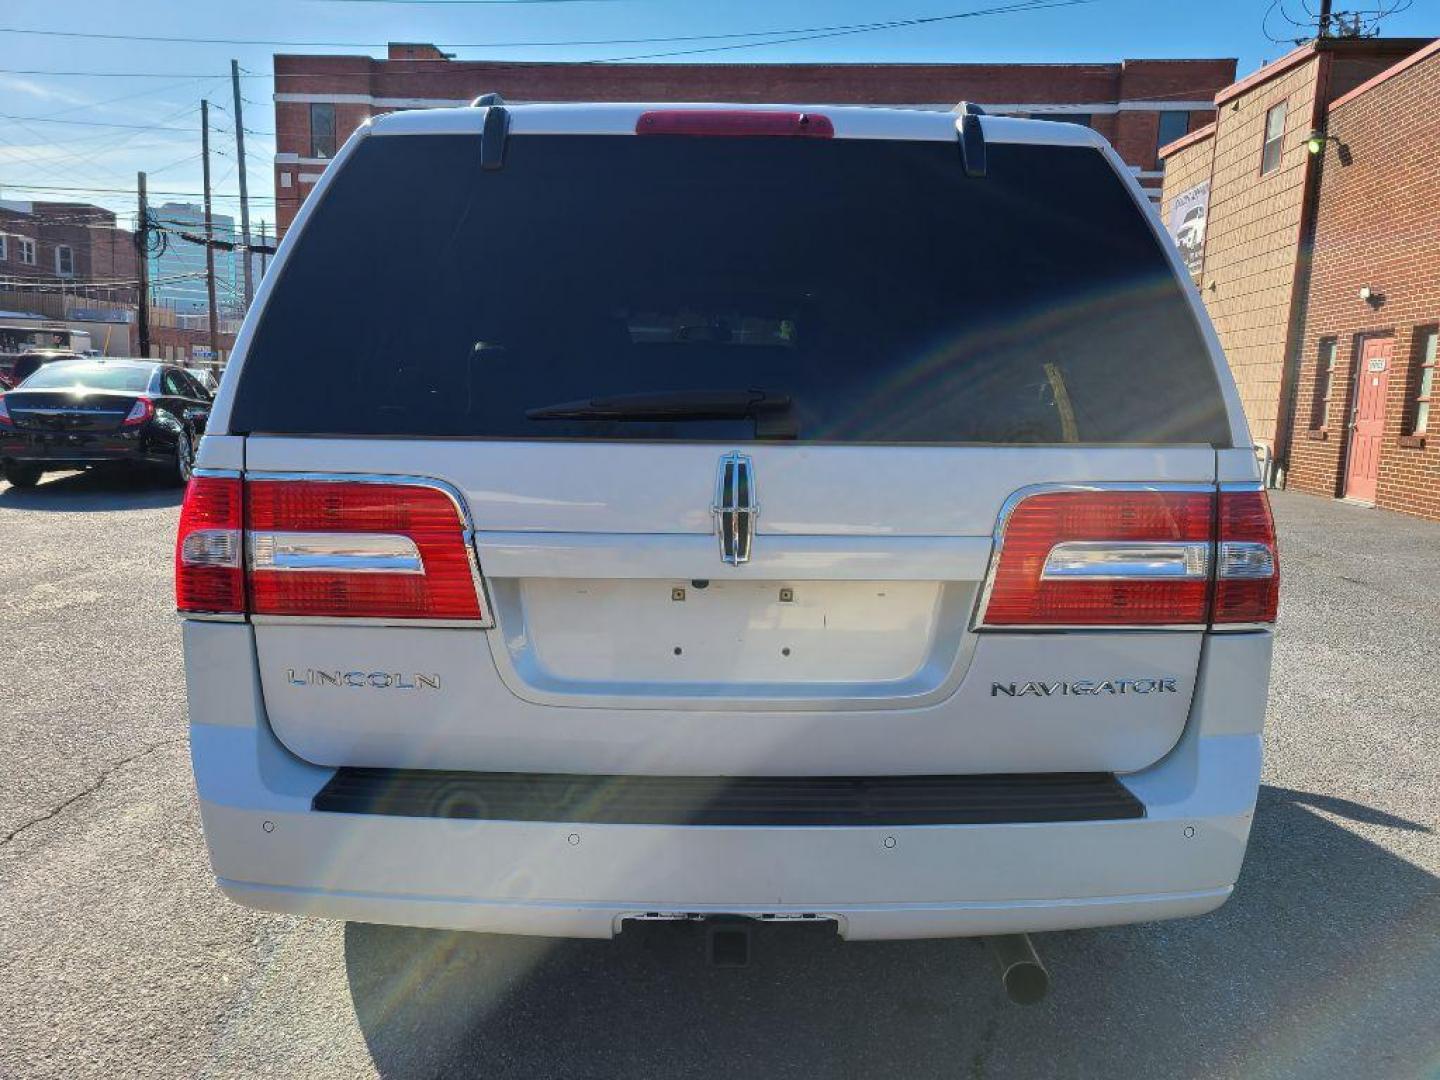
(615, 512)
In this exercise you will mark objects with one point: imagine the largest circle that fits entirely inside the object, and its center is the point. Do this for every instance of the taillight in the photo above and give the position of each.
(735, 123)
(338, 549)
(1123, 556)
(1247, 569)
(208, 574)
(1104, 558)
(5, 413)
(347, 549)
(139, 413)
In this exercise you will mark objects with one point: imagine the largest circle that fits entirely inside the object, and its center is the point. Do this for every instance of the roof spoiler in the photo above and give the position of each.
(495, 132)
(971, 138)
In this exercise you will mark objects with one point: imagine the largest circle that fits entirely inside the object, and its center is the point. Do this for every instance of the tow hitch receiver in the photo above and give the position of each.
(728, 942)
(1025, 979)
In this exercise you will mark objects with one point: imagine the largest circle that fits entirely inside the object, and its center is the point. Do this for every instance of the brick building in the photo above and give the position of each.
(70, 262)
(1136, 104)
(66, 243)
(1367, 416)
(1240, 196)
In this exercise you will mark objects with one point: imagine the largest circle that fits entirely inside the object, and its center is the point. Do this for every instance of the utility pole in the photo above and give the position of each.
(1323, 19)
(264, 253)
(142, 245)
(209, 235)
(240, 166)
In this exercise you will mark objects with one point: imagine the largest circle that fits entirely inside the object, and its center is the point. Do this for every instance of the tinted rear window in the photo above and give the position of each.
(891, 298)
(62, 376)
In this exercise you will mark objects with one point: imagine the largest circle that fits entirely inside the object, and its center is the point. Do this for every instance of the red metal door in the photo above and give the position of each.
(1367, 426)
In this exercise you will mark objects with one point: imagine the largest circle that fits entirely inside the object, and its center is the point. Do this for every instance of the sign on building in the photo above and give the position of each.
(1187, 224)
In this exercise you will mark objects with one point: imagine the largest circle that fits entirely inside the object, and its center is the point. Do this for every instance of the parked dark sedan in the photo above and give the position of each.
(75, 414)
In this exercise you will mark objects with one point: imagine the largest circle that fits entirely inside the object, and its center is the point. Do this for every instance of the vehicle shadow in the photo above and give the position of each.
(1324, 963)
(95, 490)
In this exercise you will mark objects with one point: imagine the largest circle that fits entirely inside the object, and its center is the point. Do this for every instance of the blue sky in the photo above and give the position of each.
(75, 155)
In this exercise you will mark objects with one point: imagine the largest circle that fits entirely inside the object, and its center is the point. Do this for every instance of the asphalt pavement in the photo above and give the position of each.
(118, 958)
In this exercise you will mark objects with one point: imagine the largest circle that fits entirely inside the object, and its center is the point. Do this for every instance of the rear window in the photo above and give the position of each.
(63, 376)
(889, 298)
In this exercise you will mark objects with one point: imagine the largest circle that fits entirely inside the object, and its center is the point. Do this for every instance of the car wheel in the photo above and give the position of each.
(23, 476)
(184, 458)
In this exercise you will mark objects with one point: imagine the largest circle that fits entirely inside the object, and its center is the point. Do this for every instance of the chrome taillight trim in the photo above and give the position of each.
(1127, 560)
(320, 552)
(366, 620)
(1007, 508)
(487, 619)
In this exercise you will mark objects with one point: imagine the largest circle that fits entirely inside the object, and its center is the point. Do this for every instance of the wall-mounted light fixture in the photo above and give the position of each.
(1371, 296)
(1315, 144)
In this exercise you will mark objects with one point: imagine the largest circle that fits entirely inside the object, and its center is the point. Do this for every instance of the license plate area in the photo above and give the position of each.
(709, 638)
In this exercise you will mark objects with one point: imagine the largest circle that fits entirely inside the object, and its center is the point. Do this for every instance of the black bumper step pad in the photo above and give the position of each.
(729, 800)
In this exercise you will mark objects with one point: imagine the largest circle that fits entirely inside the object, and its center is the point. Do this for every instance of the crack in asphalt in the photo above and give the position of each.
(90, 789)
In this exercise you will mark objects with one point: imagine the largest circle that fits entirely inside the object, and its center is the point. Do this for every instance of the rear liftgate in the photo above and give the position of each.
(387, 550)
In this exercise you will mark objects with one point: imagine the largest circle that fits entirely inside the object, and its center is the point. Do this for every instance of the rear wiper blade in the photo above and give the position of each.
(769, 411)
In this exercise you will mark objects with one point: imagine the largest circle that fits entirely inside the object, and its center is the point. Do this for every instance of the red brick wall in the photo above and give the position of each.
(1378, 225)
(1133, 131)
(176, 344)
(100, 251)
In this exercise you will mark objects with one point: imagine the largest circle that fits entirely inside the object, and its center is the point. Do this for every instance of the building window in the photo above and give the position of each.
(1324, 383)
(1426, 391)
(322, 130)
(64, 261)
(1173, 125)
(1274, 138)
(27, 251)
(4, 248)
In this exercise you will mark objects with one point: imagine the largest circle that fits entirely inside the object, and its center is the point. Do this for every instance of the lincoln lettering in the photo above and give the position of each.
(1083, 688)
(372, 680)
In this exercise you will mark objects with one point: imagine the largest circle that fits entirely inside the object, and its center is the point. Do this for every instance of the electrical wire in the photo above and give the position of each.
(1006, 9)
(111, 124)
(130, 191)
(491, 45)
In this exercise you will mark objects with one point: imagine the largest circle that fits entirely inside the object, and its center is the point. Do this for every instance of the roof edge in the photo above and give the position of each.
(1189, 139)
(1294, 58)
(1384, 76)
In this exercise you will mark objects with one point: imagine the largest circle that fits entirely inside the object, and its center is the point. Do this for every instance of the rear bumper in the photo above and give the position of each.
(69, 450)
(855, 922)
(271, 850)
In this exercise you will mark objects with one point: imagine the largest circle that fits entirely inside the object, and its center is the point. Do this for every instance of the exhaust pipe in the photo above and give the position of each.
(1025, 979)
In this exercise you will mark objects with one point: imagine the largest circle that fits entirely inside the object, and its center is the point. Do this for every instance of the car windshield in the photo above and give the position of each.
(63, 376)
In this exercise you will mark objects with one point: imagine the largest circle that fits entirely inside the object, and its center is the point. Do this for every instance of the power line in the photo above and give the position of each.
(885, 24)
(109, 124)
(91, 123)
(111, 191)
(496, 3)
(108, 143)
(1023, 5)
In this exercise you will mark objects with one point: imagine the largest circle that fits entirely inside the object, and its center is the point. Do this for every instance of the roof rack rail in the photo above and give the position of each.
(495, 132)
(971, 138)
